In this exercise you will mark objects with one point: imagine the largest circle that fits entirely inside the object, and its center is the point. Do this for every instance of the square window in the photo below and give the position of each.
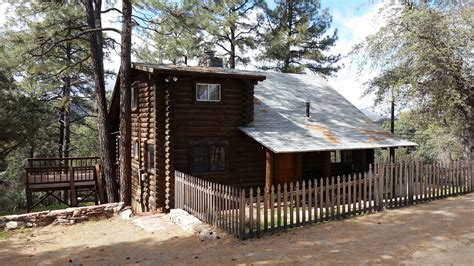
(209, 157)
(208, 92)
(335, 156)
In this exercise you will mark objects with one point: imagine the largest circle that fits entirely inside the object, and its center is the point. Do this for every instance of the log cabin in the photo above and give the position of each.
(240, 128)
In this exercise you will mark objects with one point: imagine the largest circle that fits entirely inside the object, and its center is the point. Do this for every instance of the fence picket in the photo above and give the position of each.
(303, 202)
(258, 212)
(285, 206)
(297, 195)
(344, 184)
(291, 203)
(321, 200)
(338, 198)
(272, 207)
(310, 202)
(279, 205)
(251, 212)
(349, 196)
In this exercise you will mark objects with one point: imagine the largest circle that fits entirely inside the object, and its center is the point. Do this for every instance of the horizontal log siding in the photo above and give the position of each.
(143, 130)
(206, 121)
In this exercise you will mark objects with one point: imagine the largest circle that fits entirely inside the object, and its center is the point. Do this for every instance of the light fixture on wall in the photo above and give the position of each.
(171, 78)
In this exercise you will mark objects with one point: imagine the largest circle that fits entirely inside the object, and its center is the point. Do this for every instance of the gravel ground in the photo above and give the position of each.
(439, 232)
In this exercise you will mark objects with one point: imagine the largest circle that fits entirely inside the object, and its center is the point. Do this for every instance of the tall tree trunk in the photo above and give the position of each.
(125, 119)
(97, 55)
(232, 47)
(67, 107)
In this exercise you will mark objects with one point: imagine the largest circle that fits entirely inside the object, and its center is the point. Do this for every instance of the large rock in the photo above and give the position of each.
(191, 224)
(11, 225)
(126, 214)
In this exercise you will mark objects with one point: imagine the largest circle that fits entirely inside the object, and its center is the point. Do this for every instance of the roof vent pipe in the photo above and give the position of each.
(308, 106)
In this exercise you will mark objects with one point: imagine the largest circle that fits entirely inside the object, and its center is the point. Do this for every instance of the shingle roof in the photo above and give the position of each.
(281, 125)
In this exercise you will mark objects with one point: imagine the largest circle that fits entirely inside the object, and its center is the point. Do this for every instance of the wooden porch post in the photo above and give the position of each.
(326, 163)
(269, 169)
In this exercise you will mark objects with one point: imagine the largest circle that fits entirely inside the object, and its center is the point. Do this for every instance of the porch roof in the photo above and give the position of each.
(281, 125)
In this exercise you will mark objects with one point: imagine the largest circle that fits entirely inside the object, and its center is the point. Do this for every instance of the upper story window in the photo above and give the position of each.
(208, 92)
(209, 157)
(134, 98)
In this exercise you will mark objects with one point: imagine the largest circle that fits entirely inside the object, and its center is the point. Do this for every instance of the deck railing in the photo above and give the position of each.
(254, 212)
(53, 174)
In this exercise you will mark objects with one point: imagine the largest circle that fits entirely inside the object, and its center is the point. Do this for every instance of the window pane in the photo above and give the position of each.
(201, 92)
(217, 158)
(150, 160)
(200, 158)
(135, 150)
(214, 92)
(133, 98)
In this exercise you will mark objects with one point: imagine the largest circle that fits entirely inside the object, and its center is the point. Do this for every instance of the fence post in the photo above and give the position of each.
(242, 215)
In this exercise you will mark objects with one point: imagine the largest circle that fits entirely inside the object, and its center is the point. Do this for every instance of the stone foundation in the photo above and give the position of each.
(66, 216)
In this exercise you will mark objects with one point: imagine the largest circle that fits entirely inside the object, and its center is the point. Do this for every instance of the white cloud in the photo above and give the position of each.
(353, 29)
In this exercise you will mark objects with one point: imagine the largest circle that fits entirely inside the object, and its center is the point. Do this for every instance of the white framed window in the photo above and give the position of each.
(336, 157)
(206, 92)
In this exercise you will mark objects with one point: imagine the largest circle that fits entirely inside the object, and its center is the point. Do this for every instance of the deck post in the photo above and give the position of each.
(72, 187)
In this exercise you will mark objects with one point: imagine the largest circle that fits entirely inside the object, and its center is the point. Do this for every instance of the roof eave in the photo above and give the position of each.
(149, 69)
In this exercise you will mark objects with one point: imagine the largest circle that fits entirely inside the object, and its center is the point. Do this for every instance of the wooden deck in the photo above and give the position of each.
(63, 174)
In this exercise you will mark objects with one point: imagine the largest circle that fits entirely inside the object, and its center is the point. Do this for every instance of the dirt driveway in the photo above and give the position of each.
(439, 232)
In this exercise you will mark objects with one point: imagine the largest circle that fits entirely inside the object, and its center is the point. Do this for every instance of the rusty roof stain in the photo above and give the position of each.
(325, 132)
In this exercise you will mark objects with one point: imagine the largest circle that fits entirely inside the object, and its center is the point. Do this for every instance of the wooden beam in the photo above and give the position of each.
(269, 169)
(326, 163)
(299, 166)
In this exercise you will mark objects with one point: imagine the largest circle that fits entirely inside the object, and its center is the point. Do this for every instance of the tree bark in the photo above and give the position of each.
(125, 109)
(93, 8)
(232, 48)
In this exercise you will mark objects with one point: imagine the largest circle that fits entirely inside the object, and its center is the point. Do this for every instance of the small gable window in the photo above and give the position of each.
(208, 92)
(209, 157)
(134, 98)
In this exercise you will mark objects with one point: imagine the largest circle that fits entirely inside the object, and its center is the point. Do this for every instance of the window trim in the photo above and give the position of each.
(209, 143)
(196, 84)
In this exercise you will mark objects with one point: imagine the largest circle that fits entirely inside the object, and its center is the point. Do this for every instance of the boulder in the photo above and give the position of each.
(12, 225)
(126, 214)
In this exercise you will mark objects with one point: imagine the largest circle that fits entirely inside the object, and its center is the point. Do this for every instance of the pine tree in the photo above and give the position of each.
(295, 39)
(55, 70)
(172, 35)
(232, 26)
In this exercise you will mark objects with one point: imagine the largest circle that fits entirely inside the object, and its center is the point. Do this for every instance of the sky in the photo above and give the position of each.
(353, 19)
